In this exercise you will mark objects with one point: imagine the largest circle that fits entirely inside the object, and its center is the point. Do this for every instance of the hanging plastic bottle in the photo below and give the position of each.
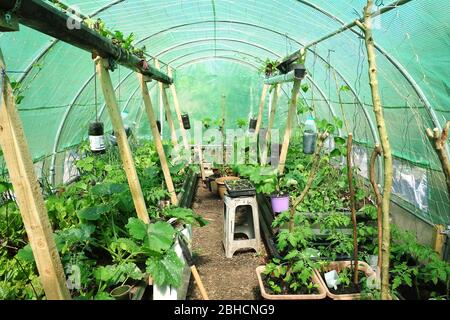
(186, 121)
(310, 136)
(96, 137)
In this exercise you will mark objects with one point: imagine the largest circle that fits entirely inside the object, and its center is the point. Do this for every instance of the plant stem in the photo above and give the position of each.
(352, 207)
(382, 130)
(379, 200)
(314, 168)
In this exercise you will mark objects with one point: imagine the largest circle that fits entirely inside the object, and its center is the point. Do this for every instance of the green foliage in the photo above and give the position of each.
(101, 243)
(269, 67)
(241, 123)
(187, 216)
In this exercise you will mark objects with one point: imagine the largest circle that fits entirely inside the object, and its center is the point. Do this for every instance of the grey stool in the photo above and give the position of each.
(250, 227)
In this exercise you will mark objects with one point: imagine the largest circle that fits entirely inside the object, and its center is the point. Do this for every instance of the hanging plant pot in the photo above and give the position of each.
(96, 137)
(299, 71)
(186, 121)
(252, 125)
(280, 203)
(158, 124)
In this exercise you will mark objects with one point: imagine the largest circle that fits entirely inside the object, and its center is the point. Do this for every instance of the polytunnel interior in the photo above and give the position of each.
(216, 48)
(134, 209)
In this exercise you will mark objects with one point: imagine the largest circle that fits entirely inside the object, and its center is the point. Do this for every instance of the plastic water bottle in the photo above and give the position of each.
(310, 136)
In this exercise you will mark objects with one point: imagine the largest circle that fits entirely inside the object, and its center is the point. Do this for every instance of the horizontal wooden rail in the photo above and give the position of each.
(47, 19)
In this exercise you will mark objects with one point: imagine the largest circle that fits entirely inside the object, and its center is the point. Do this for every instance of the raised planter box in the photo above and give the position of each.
(321, 295)
(338, 266)
(266, 218)
(170, 292)
(185, 199)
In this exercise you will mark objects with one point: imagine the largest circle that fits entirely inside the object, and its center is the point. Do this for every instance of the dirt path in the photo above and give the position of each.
(224, 279)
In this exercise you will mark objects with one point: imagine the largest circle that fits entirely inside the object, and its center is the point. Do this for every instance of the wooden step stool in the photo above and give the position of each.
(250, 227)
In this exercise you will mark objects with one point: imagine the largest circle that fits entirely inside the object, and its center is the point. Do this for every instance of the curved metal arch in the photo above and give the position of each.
(192, 42)
(392, 60)
(241, 41)
(216, 39)
(369, 120)
(204, 40)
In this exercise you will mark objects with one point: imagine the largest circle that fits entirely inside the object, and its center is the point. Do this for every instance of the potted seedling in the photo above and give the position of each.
(280, 198)
(340, 286)
(293, 275)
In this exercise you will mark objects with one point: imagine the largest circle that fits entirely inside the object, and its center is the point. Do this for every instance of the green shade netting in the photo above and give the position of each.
(216, 49)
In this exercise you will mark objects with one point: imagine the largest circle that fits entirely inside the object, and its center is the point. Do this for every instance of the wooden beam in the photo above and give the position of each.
(165, 101)
(290, 119)
(29, 198)
(176, 104)
(385, 145)
(122, 140)
(262, 103)
(157, 140)
(275, 97)
(44, 17)
(439, 239)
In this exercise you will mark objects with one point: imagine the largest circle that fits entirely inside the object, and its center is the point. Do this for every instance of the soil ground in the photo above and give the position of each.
(224, 279)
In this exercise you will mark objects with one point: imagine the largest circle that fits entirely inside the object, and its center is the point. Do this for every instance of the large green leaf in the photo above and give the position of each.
(137, 228)
(186, 215)
(92, 213)
(107, 189)
(160, 236)
(166, 271)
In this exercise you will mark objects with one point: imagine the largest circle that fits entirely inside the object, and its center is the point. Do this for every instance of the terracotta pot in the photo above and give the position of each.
(321, 295)
(338, 266)
(221, 188)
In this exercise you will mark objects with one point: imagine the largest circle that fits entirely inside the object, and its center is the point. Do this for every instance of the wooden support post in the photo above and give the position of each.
(29, 198)
(157, 139)
(200, 160)
(290, 119)
(379, 200)
(386, 146)
(176, 104)
(261, 108)
(222, 130)
(439, 141)
(275, 97)
(352, 207)
(439, 239)
(122, 140)
(165, 101)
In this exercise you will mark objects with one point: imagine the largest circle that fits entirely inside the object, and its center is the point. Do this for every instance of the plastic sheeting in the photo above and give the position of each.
(216, 48)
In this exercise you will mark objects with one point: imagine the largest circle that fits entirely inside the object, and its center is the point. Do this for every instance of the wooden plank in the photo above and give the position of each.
(157, 140)
(290, 119)
(275, 98)
(439, 239)
(261, 108)
(176, 104)
(43, 17)
(29, 198)
(122, 140)
(165, 101)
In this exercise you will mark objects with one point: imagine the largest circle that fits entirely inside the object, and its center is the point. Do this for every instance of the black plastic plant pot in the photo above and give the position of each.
(252, 125)
(186, 121)
(299, 71)
(158, 124)
(96, 137)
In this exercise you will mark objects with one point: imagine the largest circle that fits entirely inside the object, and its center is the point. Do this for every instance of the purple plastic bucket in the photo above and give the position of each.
(280, 203)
